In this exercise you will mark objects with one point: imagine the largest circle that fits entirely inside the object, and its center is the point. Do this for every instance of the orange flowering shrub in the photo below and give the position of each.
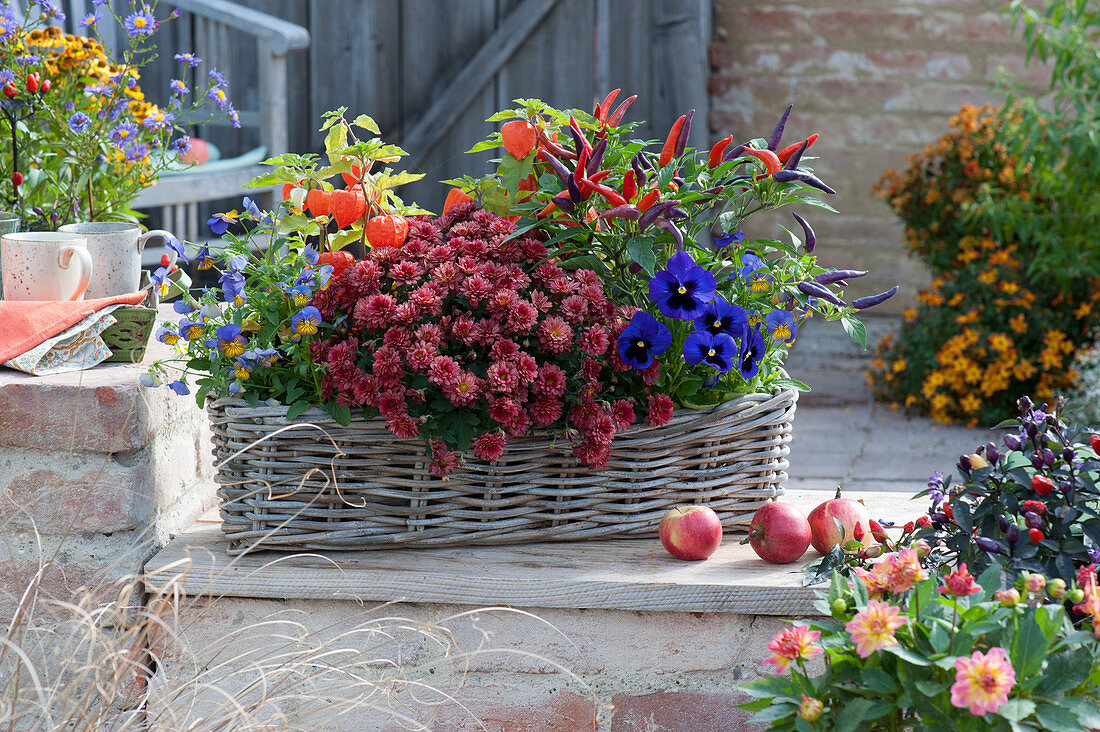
(987, 328)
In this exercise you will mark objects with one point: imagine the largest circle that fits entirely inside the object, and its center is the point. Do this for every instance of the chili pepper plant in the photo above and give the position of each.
(1030, 504)
(902, 648)
(714, 314)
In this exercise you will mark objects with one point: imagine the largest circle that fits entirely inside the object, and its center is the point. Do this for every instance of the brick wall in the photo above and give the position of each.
(878, 79)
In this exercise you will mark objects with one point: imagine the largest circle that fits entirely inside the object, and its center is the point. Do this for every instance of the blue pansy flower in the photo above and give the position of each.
(267, 356)
(150, 380)
(720, 350)
(185, 306)
(642, 340)
(210, 311)
(723, 240)
(231, 342)
(203, 258)
(250, 207)
(310, 254)
(219, 222)
(242, 369)
(161, 283)
(324, 274)
(306, 321)
(178, 247)
(300, 295)
(750, 263)
(782, 327)
(179, 387)
(167, 336)
(190, 329)
(721, 316)
(683, 289)
(752, 351)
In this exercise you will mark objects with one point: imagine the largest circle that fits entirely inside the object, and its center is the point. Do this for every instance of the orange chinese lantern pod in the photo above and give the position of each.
(287, 188)
(319, 202)
(455, 197)
(388, 230)
(352, 178)
(347, 207)
(339, 261)
(518, 137)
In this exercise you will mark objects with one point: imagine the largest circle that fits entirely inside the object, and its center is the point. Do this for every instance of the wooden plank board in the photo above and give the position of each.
(635, 574)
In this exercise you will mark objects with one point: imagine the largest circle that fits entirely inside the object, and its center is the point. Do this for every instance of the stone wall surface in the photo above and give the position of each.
(96, 472)
(878, 79)
(521, 670)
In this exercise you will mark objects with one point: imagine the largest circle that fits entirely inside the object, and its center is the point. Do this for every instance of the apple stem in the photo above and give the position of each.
(752, 535)
(837, 492)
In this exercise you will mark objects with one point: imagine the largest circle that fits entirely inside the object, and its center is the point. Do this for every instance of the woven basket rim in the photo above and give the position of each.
(316, 414)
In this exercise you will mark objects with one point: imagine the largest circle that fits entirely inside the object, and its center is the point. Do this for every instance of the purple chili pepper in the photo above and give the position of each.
(682, 138)
(863, 303)
(574, 189)
(714, 191)
(663, 223)
(1033, 520)
(1012, 442)
(803, 176)
(1012, 533)
(989, 546)
(733, 153)
(811, 240)
(626, 211)
(639, 170)
(674, 213)
(595, 158)
(679, 181)
(777, 133)
(809, 287)
(558, 167)
(650, 214)
(828, 278)
(564, 203)
(792, 161)
(647, 163)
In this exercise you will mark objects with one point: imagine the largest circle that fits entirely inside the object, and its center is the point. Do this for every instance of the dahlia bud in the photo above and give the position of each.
(839, 606)
(1007, 598)
(810, 708)
(1035, 583)
(921, 547)
(1056, 588)
(1075, 595)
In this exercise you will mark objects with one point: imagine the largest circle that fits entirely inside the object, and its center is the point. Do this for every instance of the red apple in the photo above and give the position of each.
(198, 154)
(779, 533)
(690, 532)
(855, 521)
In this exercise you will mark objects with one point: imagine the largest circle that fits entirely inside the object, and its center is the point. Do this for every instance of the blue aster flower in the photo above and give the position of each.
(233, 116)
(7, 76)
(51, 9)
(89, 19)
(723, 240)
(182, 145)
(187, 59)
(643, 340)
(123, 133)
(682, 290)
(177, 86)
(179, 387)
(140, 24)
(306, 321)
(158, 120)
(231, 342)
(218, 96)
(721, 316)
(135, 150)
(782, 327)
(752, 351)
(720, 350)
(79, 122)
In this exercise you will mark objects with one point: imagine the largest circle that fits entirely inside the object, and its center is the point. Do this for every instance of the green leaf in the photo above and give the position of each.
(930, 689)
(640, 249)
(295, 409)
(1055, 717)
(584, 261)
(853, 714)
(878, 680)
(1028, 648)
(755, 705)
(1065, 671)
(339, 412)
(367, 123)
(490, 144)
(819, 572)
(1016, 710)
(1086, 710)
(790, 384)
(774, 713)
(909, 656)
(767, 687)
(855, 330)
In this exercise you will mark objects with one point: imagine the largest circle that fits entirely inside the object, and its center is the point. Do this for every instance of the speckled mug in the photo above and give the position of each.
(44, 265)
(116, 255)
(9, 224)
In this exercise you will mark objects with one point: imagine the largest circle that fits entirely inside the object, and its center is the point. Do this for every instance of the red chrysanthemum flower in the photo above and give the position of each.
(555, 335)
(660, 410)
(490, 446)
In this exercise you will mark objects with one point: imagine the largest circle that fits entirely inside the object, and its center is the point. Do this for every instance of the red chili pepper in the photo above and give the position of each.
(598, 176)
(553, 148)
(32, 82)
(10, 90)
(582, 160)
(715, 157)
(580, 135)
(630, 185)
(670, 143)
(788, 151)
(546, 211)
(17, 178)
(648, 200)
(617, 116)
(1042, 484)
(768, 158)
(45, 86)
(603, 107)
(613, 197)
(1035, 535)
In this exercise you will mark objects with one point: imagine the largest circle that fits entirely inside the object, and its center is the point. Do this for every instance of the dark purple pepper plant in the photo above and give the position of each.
(666, 235)
(1031, 506)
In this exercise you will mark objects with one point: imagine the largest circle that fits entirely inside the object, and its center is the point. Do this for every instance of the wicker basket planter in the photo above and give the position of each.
(312, 484)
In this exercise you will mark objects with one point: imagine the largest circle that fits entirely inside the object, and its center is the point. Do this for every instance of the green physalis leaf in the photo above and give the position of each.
(367, 123)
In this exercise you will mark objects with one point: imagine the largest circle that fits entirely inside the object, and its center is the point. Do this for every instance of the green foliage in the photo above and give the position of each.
(915, 679)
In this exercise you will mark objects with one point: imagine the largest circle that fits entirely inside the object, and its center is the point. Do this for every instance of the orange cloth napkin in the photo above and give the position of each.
(26, 323)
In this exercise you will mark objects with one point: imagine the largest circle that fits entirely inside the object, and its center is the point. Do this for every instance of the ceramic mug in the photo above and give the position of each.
(116, 253)
(45, 265)
(9, 224)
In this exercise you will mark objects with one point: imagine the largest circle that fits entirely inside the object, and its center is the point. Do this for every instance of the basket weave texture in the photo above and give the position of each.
(312, 484)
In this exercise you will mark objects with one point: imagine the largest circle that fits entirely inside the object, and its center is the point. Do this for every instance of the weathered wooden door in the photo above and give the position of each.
(431, 71)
